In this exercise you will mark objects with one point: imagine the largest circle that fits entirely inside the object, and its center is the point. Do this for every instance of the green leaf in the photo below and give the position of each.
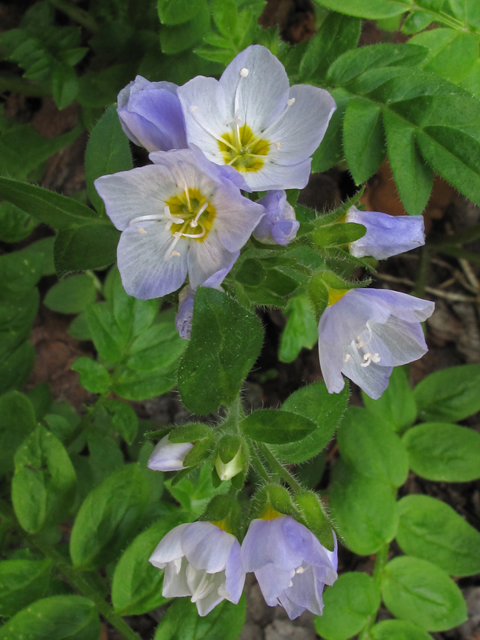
(371, 9)
(449, 395)
(324, 409)
(418, 591)
(349, 603)
(108, 518)
(337, 34)
(15, 224)
(44, 483)
(413, 177)
(55, 618)
(19, 272)
(226, 340)
(156, 348)
(16, 317)
(52, 208)
(195, 491)
(142, 385)
(397, 630)
(17, 421)
(363, 138)
(444, 452)
(124, 419)
(181, 37)
(21, 583)
(371, 448)
(86, 247)
(106, 334)
(416, 21)
(300, 331)
(225, 14)
(16, 368)
(137, 585)
(93, 375)
(106, 456)
(108, 151)
(71, 295)
(276, 427)
(330, 151)
(64, 85)
(364, 510)
(178, 11)
(431, 530)
(452, 53)
(397, 405)
(182, 622)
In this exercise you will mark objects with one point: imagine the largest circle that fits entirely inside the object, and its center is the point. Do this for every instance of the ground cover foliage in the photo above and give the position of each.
(81, 513)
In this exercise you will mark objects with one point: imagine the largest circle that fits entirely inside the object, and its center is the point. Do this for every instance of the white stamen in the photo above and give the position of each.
(235, 120)
(203, 589)
(149, 218)
(170, 253)
(177, 565)
(195, 235)
(141, 230)
(292, 573)
(369, 358)
(300, 570)
(194, 222)
(290, 101)
(346, 357)
(208, 130)
(244, 72)
(277, 145)
(291, 584)
(193, 108)
(176, 254)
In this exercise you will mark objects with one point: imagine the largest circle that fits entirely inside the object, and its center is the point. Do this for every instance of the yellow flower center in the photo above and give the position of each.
(195, 212)
(243, 150)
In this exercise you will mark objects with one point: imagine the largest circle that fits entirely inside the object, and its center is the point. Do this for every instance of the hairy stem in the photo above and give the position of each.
(257, 464)
(277, 467)
(422, 274)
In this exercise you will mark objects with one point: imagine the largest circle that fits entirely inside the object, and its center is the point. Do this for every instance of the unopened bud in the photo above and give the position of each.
(226, 471)
(169, 456)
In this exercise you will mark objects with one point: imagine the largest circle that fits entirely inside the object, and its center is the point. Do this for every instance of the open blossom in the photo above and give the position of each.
(169, 456)
(151, 115)
(175, 219)
(278, 225)
(202, 561)
(290, 564)
(367, 332)
(252, 120)
(386, 235)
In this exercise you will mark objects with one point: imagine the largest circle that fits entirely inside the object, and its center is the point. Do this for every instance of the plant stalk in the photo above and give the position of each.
(277, 467)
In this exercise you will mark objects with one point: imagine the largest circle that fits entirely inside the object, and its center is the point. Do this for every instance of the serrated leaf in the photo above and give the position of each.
(363, 138)
(177, 38)
(178, 11)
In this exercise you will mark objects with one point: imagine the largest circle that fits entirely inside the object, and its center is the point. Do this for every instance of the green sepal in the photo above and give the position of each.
(313, 516)
(318, 294)
(190, 432)
(276, 497)
(158, 434)
(338, 234)
(225, 510)
(200, 452)
(228, 447)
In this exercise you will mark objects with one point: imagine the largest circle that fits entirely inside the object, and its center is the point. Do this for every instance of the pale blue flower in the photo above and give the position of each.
(366, 333)
(174, 218)
(169, 456)
(290, 564)
(253, 120)
(386, 235)
(278, 225)
(202, 561)
(151, 115)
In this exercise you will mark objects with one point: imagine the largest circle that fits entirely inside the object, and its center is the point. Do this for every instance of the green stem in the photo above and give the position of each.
(234, 416)
(380, 562)
(277, 467)
(459, 252)
(78, 15)
(422, 275)
(462, 237)
(258, 465)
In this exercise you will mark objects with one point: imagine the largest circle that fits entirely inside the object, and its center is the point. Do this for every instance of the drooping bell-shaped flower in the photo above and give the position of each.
(291, 565)
(169, 456)
(252, 120)
(386, 235)
(151, 115)
(201, 561)
(364, 333)
(278, 225)
(175, 219)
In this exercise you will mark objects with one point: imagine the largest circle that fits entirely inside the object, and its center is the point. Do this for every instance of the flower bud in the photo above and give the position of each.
(278, 225)
(226, 471)
(169, 456)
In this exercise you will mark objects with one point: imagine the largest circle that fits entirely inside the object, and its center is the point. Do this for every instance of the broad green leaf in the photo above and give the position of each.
(17, 421)
(349, 603)
(78, 328)
(108, 151)
(449, 395)
(324, 409)
(52, 208)
(370, 447)
(468, 11)
(397, 405)
(105, 457)
(225, 13)
(16, 367)
(413, 177)
(364, 510)
(178, 38)
(86, 247)
(142, 385)
(444, 452)
(108, 518)
(371, 9)
(300, 331)
(137, 585)
(45, 248)
(363, 138)
(54, 618)
(71, 295)
(337, 34)
(19, 272)
(106, 334)
(397, 630)
(15, 224)
(44, 483)
(417, 21)
(22, 582)
(156, 348)
(472, 82)
(16, 317)
(432, 530)
(64, 85)
(276, 427)
(182, 622)
(226, 340)
(452, 53)
(178, 11)
(124, 419)
(93, 375)
(418, 591)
